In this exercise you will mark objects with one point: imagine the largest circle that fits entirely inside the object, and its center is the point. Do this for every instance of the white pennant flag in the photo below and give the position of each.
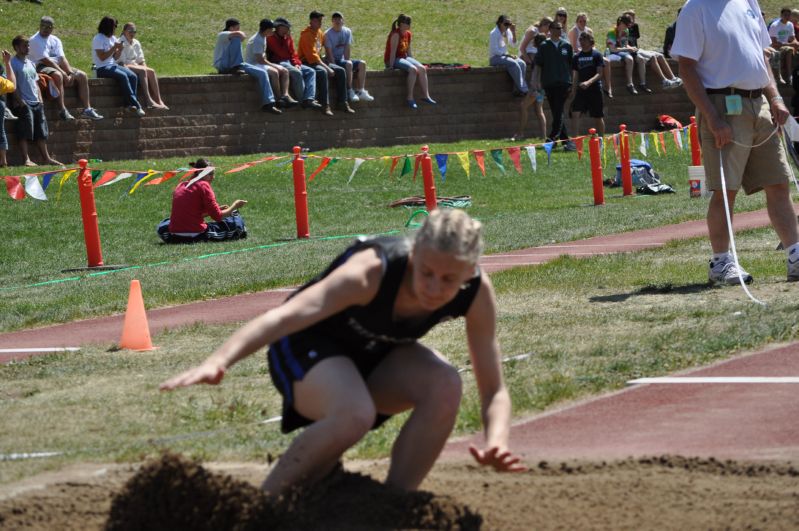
(34, 188)
(531, 155)
(120, 177)
(202, 174)
(358, 163)
(642, 147)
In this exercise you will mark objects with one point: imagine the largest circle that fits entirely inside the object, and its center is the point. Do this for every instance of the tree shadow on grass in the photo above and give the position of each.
(657, 289)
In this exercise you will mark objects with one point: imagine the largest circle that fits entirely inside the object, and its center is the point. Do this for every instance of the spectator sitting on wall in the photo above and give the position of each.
(8, 84)
(783, 39)
(312, 41)
(192, 202)
(106, 50)
(659, 64)
(338, 44)
(504, 34)
(31, 123)
(280, 50)
(132, 58)
(255, 55)
(47, 53)
(621, 50)
(398, 55)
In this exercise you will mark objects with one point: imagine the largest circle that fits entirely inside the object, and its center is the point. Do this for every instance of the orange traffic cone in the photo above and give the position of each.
(136, 331)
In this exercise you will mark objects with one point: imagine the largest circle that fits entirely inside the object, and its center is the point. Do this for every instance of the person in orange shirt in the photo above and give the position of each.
(312, 42)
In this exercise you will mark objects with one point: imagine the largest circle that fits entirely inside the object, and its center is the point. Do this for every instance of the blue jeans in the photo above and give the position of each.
(128, 82)
(322, 84)
(406, 63)
(303, 80)
(517, 69)
(261, 74)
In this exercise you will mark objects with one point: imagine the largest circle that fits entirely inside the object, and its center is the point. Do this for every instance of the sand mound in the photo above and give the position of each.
(173, 493)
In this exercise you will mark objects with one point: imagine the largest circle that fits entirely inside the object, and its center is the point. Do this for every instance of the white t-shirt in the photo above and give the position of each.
(101, 42)
(256, 47)
(726, 38)
(338, 41)
(782, 32)
(41, 47)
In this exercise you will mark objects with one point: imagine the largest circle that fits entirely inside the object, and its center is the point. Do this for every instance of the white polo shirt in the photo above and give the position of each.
(726, 38)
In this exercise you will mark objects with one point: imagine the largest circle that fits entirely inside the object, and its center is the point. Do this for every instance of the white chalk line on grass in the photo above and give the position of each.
(32, 455)
(38, 349)
(717, 380)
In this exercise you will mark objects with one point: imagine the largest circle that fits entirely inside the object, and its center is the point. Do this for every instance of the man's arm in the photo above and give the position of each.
(722, 132)
(779, 111)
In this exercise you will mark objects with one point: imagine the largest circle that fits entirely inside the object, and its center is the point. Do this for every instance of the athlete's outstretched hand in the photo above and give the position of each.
(501, 460)
(209, 372)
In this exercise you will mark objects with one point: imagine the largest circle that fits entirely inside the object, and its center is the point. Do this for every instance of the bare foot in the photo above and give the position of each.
(30, 163)
(54, 162)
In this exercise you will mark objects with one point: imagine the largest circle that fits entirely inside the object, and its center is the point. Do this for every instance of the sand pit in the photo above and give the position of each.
(665, 493)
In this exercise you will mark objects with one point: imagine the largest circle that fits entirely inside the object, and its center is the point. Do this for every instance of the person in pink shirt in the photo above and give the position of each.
(193, 201)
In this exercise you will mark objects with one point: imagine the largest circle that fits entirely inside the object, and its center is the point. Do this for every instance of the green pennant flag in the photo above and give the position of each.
(406, 167)
(496, 154)
(96, 175)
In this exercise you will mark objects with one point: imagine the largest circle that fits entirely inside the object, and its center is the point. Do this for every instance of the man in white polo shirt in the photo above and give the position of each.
(720, 47)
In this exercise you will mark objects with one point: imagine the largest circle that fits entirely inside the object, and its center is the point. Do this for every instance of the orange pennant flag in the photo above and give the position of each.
(394, 161)
(322, 166)
(513, 153)
(165, 177)
(416, 166)
(479, 156)
(579, 143)
(662, 142)
(107, 176)
(14, 188)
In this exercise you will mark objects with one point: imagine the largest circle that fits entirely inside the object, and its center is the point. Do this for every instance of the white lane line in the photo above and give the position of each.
(40, 349)
(715, 380)
(34, 455)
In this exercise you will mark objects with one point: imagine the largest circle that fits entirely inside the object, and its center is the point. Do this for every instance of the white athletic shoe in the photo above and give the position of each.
(677, 80)
(669, 84)
(793, 266)
(352, 96)
(365, 96)
(727, 273)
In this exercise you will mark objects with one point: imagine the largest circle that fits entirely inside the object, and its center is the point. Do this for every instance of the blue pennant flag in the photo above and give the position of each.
(548, 148)
(441, 160)
(46, 178)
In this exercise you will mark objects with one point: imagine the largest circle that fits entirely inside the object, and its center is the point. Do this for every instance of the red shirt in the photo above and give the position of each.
(403, 45)
(279, 49)
(190, 205)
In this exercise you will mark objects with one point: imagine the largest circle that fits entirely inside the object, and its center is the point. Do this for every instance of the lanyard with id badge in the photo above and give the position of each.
(734, 104)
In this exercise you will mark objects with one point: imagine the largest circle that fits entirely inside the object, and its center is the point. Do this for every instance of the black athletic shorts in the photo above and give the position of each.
(589, 101)
(290, 359)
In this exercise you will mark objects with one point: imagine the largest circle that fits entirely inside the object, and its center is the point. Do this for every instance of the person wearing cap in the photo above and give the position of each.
(720, 50)
(228, 60)
(255, 55)
(312, 41)
(338, 44)
(659, 64)
(280, 50)
(554, 62)
(192, 201)
(47, 53)
(504, 33)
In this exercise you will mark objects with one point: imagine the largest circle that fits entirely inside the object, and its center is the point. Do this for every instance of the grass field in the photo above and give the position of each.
(178, 37)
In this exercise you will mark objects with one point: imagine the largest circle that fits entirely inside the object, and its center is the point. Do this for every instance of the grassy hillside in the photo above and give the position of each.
(178, 36)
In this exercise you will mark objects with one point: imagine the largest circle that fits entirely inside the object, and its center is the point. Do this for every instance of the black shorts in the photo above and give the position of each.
(589, 101)
(31, 123)
(293, 356)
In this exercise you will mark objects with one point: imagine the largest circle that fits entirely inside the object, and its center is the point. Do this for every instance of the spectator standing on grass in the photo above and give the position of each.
(8, 84)
(338, 47)
(580, 27)
(504, 34)
(398, 55)
(588, 65)
(280, 50)
(192, 202)
(659, 64)
(344, 352)
(31, 122)
(132, 58)
(534, 98)
(720, 46)
(106, 49)
(312, 42)
(229, 60)
(554, 65)
(47, 53)
(783, 39)
(255, 56)
(668, 39)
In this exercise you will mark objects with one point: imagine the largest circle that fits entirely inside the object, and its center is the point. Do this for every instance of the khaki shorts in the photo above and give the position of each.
(752, 168)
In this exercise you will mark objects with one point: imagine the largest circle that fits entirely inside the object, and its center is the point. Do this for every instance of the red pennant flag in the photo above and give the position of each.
(394, 161)
(165, 177)
(616, 145)
(579, 143)
(662, 142)
(479, 156)
(416, 166)
(107, 176)
(322, 166)
(189, 173)
(513, 153)
(15, 189)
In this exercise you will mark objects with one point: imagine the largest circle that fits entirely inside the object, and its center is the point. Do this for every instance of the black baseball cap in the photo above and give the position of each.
(336, 14)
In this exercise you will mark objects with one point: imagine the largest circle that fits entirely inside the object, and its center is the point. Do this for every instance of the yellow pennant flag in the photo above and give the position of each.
(150, 175)
(464, 160)
(654, 137)
(64, 179)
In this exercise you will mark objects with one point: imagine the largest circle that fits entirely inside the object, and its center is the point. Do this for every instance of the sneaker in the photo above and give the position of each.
(677, 81)
(64, 115)
(643, 88)
(287, 102)
(139, 112)
(431, 101)
(363, 95)
(311, 104)
(412, 104)
(9, 115)
(91, 114)
(569, 146)
(669, 84)
(352, 96)
(727, 273)
(631, 90)
(793, 266)
(271, 107)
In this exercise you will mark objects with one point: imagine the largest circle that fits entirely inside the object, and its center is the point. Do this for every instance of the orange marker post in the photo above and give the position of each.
(696, 150)
(626, 170)
(596, 168)
(300, 195)
(91, 230)
(430, 200)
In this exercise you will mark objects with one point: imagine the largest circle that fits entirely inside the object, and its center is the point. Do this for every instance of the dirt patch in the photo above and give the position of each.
(662, 492)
